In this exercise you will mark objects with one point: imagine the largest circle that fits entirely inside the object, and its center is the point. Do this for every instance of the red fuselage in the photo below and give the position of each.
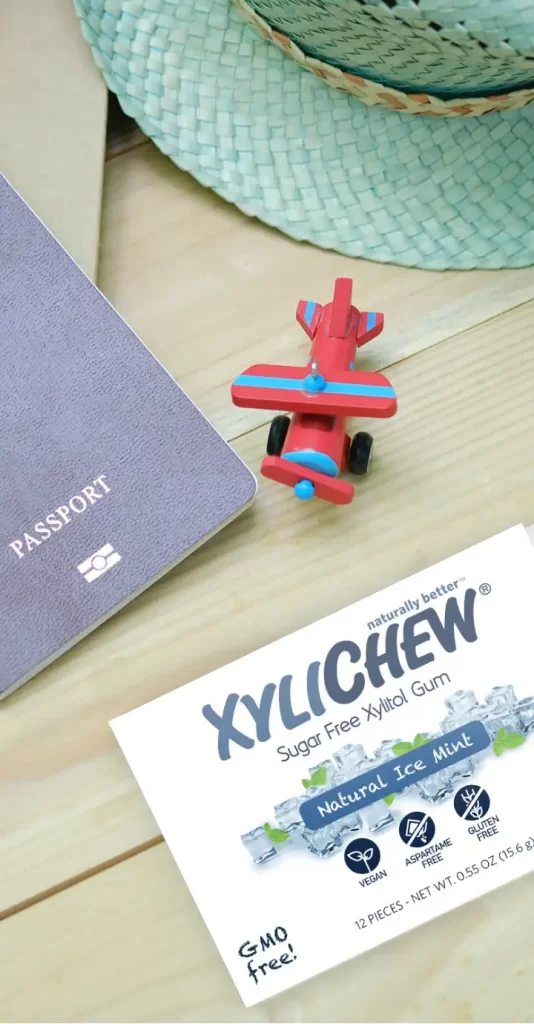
(325, 434)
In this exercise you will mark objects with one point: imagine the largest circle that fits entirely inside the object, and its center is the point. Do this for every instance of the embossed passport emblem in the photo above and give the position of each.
(96, 565)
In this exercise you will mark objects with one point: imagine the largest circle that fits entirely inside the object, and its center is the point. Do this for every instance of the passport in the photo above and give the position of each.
(109, 474)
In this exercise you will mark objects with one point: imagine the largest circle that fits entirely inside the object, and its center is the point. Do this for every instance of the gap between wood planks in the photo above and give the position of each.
(68, 883)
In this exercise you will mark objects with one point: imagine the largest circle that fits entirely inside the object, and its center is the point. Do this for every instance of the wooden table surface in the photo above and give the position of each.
(97, 924)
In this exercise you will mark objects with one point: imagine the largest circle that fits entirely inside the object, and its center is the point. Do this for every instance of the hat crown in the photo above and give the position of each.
(448, 47)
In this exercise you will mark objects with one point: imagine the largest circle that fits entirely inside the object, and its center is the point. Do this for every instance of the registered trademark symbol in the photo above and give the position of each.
(485, 588)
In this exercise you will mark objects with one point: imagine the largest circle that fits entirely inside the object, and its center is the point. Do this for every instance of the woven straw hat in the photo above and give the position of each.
(396, 130)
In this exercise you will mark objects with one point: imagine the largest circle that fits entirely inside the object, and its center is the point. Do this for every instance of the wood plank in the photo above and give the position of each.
(53, 121)
(141, 952)
(454, 467)
(212, 291)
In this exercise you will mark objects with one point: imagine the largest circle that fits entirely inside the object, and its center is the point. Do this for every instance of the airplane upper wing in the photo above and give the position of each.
(352, 393)
(308, 316)
(369, 326)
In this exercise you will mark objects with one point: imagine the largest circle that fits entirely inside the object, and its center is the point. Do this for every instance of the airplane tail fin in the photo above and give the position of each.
(369, 326)
(308, 316)
(340, 312)
(342, 316)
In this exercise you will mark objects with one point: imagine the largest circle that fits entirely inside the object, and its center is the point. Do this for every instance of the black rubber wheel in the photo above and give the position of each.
(277, 435)
(360, 450)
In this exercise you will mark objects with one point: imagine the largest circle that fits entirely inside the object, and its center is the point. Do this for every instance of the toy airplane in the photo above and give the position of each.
(309, 451)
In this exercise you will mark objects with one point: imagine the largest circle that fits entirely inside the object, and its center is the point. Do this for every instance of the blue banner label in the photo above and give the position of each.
(395, 775)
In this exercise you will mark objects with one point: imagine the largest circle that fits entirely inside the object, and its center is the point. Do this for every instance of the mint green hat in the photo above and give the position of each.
(395, 130)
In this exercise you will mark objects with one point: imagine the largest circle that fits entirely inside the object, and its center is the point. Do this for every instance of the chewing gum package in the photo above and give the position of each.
(356, 778)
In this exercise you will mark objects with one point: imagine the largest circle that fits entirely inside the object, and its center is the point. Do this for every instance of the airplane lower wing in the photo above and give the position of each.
(339, 492)
(352, 393)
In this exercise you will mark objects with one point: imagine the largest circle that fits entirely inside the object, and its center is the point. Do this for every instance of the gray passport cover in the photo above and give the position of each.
(109, 474)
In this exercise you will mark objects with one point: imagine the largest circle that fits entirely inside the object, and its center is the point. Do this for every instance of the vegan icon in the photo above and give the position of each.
(362, 856)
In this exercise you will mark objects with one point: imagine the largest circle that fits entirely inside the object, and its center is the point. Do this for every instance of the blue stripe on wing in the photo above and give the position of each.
(310, 459)
(331, 387)
(309, 311)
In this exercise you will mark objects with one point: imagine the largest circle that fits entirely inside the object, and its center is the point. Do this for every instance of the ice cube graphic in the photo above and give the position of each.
(439, 786)
(378, 817)
(462, 770)
(350, 824)
(322, 842)
(525, 711)
(259, 846)
(461, 703)
(501, 696)
(500, 711)
(463, 708)
(500, 717)
(348, 760)
(331, 771)
(384, 752)
(288, 815)
(436, 787)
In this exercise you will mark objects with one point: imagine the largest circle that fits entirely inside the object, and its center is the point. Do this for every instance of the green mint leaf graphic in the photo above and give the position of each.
(389, 799)
(505, 740)
(278, 835)
(402, 748)
(514, 739)
(306, 783)
(419, 740)
(319, 777)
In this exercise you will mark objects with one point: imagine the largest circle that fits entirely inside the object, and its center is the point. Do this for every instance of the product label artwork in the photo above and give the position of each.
(387, 656)
(358, 777)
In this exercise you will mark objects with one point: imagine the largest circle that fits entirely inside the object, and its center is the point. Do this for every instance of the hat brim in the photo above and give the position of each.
(246, 121)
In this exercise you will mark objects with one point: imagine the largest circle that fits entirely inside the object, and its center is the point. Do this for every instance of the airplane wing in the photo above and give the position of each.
(369, 326)
(308, 316)
(352, 393)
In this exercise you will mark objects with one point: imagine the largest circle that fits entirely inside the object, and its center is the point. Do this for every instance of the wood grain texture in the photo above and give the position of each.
(129, 945)
(454, 467)
(211, 291)
(53, 121)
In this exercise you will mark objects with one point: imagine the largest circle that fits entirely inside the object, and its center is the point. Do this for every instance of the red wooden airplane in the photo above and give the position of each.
(309, 451)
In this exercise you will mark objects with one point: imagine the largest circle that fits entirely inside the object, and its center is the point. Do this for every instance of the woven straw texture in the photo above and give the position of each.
(423, 104)
(245, 120)
(445, 47)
